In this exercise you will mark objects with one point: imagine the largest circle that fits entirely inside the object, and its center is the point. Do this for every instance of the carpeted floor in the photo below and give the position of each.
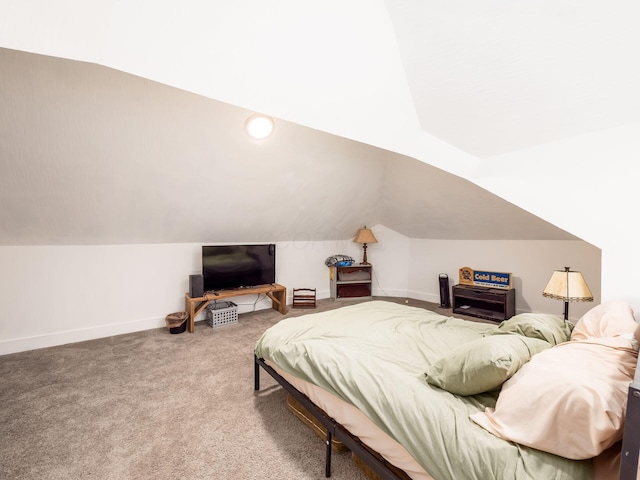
(152, 405)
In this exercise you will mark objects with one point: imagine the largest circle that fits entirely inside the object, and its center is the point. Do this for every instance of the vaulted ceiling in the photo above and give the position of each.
(379, 107)
(91, 155)
(494, 76)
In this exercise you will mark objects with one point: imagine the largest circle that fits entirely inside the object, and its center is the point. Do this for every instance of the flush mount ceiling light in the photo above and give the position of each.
(259, 126)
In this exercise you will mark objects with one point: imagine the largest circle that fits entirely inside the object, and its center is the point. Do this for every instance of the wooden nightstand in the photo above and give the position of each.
(352, 282)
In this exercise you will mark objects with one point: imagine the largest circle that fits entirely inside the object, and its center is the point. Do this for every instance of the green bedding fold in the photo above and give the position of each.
(374, 355)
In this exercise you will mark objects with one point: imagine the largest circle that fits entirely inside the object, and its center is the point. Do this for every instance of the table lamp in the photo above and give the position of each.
(365, 236)
(568, 286)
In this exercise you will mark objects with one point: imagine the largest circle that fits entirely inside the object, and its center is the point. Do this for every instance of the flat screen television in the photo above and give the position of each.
(237, 266)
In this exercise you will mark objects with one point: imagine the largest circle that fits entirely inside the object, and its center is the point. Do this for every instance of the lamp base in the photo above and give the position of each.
(364, 255)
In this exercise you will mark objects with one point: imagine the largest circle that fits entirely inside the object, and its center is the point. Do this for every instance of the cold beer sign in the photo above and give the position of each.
(468, 276)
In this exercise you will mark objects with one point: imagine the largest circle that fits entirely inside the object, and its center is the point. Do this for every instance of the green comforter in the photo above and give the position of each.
(374, 355)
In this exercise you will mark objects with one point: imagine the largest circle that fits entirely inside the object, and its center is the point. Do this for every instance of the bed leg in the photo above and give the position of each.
(327, 464)
(256, 374)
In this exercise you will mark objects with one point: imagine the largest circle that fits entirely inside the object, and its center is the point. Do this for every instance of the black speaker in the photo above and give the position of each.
(196, 286)
(445, 301)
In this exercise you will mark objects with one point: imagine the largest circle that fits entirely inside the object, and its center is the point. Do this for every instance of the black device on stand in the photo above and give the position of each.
(445, 299)
(196, 286)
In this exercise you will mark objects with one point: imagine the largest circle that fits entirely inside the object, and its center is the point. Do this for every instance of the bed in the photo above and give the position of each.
(436, 397)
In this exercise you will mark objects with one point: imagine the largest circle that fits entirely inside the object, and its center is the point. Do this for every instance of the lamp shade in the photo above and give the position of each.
(365, 235)
(569, 286)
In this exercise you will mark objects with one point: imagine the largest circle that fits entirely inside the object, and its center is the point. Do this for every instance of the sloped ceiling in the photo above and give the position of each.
(361, 89)
(425, 202)
(91, 155)
(492, 76)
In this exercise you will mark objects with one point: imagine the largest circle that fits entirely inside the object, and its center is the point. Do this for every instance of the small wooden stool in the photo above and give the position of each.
(304, 298)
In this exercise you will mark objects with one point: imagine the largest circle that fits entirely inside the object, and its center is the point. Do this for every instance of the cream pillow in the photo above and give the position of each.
(484, 364)
(569, 400)
(611, 319)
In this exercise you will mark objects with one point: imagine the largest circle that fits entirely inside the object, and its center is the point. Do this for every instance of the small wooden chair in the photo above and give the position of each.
(304, 298)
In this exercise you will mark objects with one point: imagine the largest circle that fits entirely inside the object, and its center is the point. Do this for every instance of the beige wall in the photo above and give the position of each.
(531, 264)
(55, 295)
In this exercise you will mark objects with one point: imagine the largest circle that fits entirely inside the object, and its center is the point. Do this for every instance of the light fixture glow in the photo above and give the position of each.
(259, 126)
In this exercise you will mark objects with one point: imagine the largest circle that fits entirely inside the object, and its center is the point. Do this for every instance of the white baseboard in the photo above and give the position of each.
(424, 296)
(378, 292)
(80, 335)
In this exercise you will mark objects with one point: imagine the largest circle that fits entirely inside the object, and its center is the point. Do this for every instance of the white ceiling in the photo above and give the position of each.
(90, 154)
(495, 76)
(485, 77)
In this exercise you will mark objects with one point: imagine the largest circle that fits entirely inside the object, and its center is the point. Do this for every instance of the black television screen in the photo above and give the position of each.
(236, 266)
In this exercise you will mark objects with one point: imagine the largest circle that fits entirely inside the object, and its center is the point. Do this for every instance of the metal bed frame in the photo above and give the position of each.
(334, 429)
(630, 442)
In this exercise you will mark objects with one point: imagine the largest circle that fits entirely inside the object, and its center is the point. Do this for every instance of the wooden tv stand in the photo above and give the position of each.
(193, 306)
